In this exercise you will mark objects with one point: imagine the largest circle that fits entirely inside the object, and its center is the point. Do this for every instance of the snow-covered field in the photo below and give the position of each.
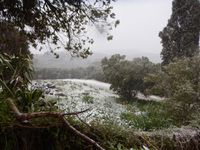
(77, 94)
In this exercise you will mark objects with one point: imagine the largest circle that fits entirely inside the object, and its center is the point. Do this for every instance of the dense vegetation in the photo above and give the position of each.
(29, 121)
(91, 72)
(179, 82)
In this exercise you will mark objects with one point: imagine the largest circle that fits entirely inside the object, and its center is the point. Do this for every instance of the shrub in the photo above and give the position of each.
(151, 116)
(180, 82)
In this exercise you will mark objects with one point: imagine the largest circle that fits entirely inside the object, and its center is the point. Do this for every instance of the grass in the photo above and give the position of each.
(107, 133)
(88, 99)
(6, 116)
(152, 116)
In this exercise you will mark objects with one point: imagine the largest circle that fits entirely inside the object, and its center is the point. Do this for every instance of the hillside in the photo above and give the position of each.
(78, 94)
(65, 61)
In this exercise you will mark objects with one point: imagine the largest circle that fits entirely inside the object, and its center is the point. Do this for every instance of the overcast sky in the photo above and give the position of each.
(140, 23)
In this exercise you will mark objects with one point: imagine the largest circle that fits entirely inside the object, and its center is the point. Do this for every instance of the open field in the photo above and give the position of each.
(104, 104)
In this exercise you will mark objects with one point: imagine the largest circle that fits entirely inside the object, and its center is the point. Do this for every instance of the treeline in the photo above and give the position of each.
(91, 72)
(178, 82)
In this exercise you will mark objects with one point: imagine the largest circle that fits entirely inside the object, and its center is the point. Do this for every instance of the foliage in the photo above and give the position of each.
(6, 117)
(15, 76)
(126, 77)
(180, 82)
(110, 135)
(34, 101)
(91, 72)
(15, 73)
(49, 21)
(151, 116)
(59, 138)
(115, 137)
(180, 78)
(88, 99)
(180, 38)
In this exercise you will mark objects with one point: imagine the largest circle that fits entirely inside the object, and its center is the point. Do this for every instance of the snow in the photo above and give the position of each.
(93, 83)
(74, 91)
(73, 94)
(149, 97)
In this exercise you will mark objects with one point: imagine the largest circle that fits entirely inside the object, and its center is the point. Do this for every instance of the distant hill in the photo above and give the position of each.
(65, 61)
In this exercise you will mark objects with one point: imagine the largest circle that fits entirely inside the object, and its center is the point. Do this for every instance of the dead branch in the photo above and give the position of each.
(59, 115)
(83, 121)
(27, 116)
(82, 135)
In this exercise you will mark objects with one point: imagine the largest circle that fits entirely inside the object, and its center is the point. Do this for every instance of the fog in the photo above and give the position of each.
(137, 33)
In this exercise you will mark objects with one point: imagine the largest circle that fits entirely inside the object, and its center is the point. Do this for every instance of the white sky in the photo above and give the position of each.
(140, 23)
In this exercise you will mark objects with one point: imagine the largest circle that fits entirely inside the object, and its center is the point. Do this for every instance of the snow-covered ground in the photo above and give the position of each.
(77, 94)
(93, 83)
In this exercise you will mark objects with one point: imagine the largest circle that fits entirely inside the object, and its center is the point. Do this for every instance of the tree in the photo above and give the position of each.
(127, 77)
(180, 38)
(62, 22)
(12, 41)
(57, 22)
(24, 102)
(180, 84)
(178, 78)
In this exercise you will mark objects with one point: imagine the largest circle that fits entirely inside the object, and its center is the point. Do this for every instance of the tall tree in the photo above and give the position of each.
(180, 38)
(50, 22)
(12, 41)
(57, 22)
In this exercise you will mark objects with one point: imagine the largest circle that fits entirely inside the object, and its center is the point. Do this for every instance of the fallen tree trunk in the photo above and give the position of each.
(24, 117)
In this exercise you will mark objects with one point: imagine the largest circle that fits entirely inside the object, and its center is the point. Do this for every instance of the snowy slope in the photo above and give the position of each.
(77, 94)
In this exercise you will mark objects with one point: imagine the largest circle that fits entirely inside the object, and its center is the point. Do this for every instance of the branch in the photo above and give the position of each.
(26, 116)
(82, 135)
(61, 116)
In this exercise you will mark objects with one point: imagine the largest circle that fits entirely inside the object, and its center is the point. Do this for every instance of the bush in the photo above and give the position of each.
(151, 116)
(180, 82)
